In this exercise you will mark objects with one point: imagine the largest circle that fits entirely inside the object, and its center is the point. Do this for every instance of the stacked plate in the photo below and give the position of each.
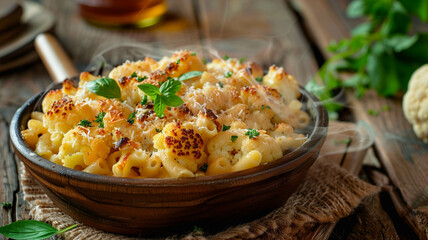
(19, 25)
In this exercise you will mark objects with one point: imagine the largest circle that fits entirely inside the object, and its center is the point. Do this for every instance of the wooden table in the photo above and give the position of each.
(275, 32)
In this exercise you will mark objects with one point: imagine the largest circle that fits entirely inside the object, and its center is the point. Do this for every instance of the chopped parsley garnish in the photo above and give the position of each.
(163, 96)
(225, 128)
(386, 108)
(344, 141)
(105, 87)
(220, 84)
(193, 54)
(228, 74)
(226, 57)
(373, 112)
(85, 123)
(140, 79)
(131, 118)
(157, 130)
(7, 205)
(259, 79)
(100, 119)
(242, 60)
(233, 138)
(265, 106)
(204, 167)
(134, 75)
(144, 101)
(252, 133)
(197, 229)
(178, 61)
(163, 73)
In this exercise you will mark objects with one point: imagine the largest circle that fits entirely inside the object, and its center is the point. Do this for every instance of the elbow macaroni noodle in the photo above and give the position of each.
(207, 135)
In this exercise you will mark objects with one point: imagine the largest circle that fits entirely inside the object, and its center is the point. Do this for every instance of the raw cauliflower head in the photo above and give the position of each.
(415, 102)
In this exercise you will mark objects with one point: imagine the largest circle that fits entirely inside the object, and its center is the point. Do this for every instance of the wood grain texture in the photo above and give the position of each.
(400, 152)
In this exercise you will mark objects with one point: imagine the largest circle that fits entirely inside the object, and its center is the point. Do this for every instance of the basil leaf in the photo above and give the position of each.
(149, 89)
(159, 106)
(28, 229)
(190, 75)
(172, 100)
(105, 87)
(170, 86)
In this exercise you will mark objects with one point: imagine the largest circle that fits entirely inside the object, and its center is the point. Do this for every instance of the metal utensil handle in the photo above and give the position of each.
(53, 56)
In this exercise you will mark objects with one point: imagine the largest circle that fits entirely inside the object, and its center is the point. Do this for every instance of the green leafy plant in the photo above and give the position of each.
(382, 52)
(100, 119)
(31, 230)
(163, 96)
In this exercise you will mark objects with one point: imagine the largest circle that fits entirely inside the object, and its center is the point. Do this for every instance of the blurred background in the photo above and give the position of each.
(357, 56)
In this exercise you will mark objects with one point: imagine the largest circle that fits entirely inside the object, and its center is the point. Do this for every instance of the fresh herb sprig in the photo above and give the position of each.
(31, 230)
(163, 96)
(382, 52)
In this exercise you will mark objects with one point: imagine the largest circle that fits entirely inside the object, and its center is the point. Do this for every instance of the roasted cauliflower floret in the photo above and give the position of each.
(182, 144)
(286, 84)
(84, 146)
(415, 102)
(65, 114)
(140, 68)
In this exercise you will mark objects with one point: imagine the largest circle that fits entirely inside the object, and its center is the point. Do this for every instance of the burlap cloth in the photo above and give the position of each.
(328, 194)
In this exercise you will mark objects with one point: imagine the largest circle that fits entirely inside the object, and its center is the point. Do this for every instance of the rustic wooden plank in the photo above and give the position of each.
(401, 153)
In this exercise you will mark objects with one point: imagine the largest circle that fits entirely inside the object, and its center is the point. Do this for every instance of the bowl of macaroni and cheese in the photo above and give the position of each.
(168, 144)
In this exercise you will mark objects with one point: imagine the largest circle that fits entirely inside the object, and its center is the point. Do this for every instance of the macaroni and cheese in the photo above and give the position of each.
(232, 117)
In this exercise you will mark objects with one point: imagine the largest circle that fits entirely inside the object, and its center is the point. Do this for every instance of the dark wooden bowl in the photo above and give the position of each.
(154, 206)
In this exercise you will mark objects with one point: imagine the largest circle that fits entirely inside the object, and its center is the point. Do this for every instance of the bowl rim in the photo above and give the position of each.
(287, 162)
